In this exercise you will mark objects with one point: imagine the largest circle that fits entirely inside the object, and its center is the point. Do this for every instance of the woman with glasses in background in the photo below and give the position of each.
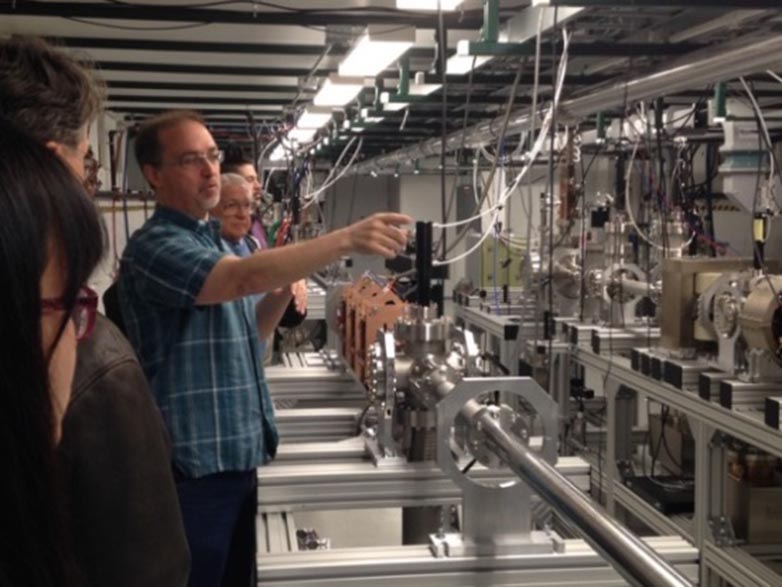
(50, 241)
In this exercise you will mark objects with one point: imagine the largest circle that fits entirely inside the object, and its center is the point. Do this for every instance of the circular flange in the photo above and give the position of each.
(472, 388)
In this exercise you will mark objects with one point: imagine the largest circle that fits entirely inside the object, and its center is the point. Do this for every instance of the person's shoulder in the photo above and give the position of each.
(103, 353)
(154, 228)
(154, 236)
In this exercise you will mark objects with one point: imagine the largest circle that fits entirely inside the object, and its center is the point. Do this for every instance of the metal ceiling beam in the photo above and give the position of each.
(174, 13)
(594, 49)
(695, 94)
(505, 80)
(479, 81)
(457, 101)
(629, 49)
(476, 102)
(392, 120)
(216, 47)
(149, 66)
(200, 87)
(195, 97)
(194, 46)
(270, 114)
(201, 69)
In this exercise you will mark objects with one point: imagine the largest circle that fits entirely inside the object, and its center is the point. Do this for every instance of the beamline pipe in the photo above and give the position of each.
(639, 564)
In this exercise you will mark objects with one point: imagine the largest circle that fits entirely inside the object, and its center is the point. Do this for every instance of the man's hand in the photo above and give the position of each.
(299, 291)
(380, 234)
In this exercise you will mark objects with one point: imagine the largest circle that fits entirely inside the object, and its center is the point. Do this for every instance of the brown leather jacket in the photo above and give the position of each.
(124, 513)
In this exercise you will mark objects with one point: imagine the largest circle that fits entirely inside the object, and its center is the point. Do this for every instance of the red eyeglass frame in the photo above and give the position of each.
(83, 313)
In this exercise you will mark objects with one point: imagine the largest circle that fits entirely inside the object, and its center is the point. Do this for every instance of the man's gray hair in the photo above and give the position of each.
(232, 179)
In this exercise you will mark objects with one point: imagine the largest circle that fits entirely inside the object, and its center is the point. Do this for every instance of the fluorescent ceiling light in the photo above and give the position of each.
(302, 135)
(385, 100)
(461, 64)
(419, 87)
(278, 154)
(314, 117)
(338, 91)
(447, 5)
(376, 49)
(395, 106)
(367, 116)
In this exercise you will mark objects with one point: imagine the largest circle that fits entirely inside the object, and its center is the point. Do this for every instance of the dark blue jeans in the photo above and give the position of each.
(219, 514)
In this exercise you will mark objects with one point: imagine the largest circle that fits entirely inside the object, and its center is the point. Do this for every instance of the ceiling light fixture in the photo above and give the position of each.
(419, 87)
(462, 63)
(279, 153)
(394, 103)
(446, 5)
(338, 91)
(314, 117)
(370, 116)
(376, 49)
(302, 135)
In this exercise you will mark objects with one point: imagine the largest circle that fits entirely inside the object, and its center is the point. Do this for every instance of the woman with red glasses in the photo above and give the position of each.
(50, 241)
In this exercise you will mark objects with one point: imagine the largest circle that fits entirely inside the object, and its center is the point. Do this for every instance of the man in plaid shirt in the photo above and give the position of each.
(188, 308)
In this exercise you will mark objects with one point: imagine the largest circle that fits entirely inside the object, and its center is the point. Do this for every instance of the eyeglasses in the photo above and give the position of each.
(196, 159)
(83, 313)
(234, 207)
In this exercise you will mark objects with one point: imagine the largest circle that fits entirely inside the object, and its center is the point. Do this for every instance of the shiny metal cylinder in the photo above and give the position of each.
(674, 232)
(617, 247)
(641, 288)
(632, 559)
(420, 331)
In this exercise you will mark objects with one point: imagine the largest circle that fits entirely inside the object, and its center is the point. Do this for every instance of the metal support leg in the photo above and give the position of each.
(509, 356)
(610, 390)
(619, 418)
(714, 507)
(703, 488)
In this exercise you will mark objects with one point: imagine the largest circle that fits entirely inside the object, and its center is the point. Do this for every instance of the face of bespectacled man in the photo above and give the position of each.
(234, 211)
(187, 177)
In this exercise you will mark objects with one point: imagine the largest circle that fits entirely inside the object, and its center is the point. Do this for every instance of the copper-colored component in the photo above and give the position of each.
(351, 297)
(567, 179)
(366, 308)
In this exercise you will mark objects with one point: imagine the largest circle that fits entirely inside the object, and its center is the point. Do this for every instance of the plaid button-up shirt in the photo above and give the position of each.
(203, 362)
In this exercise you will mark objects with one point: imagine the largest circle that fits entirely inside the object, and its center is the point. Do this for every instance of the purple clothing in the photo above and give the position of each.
(259, 232)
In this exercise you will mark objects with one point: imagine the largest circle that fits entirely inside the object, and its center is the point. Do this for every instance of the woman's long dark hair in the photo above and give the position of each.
(42, 208)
